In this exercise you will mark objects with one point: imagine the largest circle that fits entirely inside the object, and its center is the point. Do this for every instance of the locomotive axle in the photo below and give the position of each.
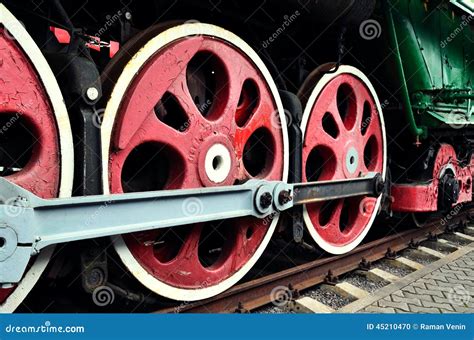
(29, 223)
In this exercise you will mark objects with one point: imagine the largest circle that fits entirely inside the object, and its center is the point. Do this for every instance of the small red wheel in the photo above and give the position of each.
(344, 137)
(36, 149)
(194, 107)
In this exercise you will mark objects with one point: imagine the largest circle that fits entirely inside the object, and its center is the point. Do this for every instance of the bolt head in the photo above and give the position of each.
(96, 277)
(285, 197)
(128, 15)
(379, 185)
(266, 200)
(92, 93)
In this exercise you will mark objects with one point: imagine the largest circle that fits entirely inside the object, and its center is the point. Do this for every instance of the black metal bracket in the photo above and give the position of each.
(94, 268)
(241, 309)
(413, 245)
(391, 254)
(331, 279)
(293, 107)
(365, 265)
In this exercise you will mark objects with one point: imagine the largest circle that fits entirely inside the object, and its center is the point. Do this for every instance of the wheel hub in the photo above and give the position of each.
(217, 163)
(351, 161)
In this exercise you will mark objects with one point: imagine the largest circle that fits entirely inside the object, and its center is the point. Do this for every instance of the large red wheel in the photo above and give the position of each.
(36, 150)
(194, 107)
(344, 137)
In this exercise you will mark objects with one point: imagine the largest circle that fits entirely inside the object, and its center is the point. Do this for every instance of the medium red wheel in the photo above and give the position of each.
(36, 149)
(194, 107)
(344, 137)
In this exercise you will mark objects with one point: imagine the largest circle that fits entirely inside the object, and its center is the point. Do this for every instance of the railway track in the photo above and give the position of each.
(259, 292)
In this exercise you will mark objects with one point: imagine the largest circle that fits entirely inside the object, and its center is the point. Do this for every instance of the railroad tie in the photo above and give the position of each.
(405, 262)
(431, 252)
(308, 305)
(379, 274)
(347, 290)
(464, 236)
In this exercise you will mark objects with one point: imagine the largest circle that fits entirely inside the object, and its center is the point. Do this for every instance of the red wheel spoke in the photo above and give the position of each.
(334, 111)
(233, 76)
(179, 88)
(331, 230)
(261, 109)
(188, 255)
(372, 130)
(229, 105)
(318, 136)
(264, 117)
(149, 87)
(250, 234)
(327, 102)
(271, 151)
(362, 98)
(153, 130)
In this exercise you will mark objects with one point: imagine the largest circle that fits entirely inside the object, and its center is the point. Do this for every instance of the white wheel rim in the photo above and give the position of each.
(128, 74)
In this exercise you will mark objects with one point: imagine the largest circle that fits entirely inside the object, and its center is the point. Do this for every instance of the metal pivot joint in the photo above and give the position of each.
(29, 223)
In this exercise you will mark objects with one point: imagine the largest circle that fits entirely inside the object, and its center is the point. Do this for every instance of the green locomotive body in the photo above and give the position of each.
(433, 43)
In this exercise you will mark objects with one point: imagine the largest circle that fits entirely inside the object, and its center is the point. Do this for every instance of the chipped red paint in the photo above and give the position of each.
(137, 124)
(23, 97)
(424, 197)
(325, 218)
